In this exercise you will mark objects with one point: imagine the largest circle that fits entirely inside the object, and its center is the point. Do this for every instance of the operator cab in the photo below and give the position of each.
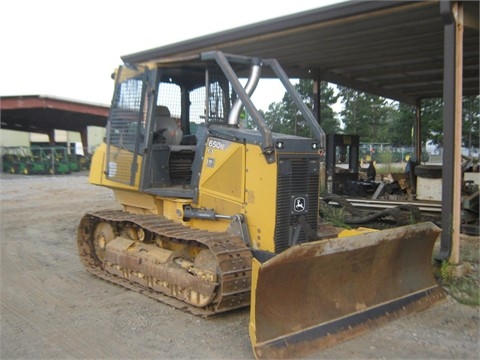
(162, 115)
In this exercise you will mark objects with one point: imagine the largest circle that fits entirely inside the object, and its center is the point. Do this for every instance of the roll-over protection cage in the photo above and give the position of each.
(130, 125)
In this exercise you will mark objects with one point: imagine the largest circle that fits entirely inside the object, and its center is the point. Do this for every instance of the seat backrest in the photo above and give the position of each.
(168, 126)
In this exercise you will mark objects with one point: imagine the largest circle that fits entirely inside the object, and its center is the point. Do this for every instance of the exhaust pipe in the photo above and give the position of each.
(234, 117)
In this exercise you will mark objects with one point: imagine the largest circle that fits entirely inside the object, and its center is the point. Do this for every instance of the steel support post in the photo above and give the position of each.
(452, 14)
(418, 131)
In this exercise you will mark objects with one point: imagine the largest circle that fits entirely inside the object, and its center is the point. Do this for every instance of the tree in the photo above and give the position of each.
(470, 124)
(285, 117)
(432, 119)
(365, 115)
(328, 119)
(400, 129)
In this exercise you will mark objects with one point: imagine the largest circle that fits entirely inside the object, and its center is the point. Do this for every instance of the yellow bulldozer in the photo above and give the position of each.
(220, 212)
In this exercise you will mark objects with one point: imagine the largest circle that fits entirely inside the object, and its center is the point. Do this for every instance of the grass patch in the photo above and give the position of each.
(334, 216)
(386, 159)
(464, 289)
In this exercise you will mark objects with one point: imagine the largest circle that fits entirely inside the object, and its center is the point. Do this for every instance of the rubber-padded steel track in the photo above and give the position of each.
(233, 258)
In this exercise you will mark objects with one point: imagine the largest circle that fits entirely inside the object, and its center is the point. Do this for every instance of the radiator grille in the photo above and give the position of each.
(297, 178)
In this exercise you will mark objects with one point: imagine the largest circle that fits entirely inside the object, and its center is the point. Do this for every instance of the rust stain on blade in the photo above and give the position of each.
(314, 295)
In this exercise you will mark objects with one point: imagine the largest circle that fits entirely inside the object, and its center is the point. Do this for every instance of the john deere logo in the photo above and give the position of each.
(299, 204)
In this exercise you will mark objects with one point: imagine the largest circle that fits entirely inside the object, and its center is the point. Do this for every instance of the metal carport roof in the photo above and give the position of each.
(394, 49)
(43, 114)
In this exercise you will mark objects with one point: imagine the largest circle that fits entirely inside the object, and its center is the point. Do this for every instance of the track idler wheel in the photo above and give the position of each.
(102, 235)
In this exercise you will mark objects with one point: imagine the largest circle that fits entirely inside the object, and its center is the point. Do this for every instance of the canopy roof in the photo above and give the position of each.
(394, 49)
(42, 114)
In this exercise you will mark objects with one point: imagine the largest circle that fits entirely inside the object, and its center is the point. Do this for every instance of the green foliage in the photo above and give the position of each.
(334, 216)
(284, 116)
(465, 291)
(432, 119)
(412, 219)
(464, 288)
(445, 271)
(470, 124)
(373, 118)
(366, 115)
(400, 129)
(386, 158)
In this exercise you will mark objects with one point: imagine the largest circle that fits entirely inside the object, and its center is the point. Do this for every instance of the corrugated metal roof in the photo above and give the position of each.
(389, 48)
(42, 114)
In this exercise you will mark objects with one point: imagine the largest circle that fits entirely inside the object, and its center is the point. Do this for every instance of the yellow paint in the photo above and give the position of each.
(223, 171)
(136, 202)
(354, 232)
(230, 187)
(261, 194)
(140, 203)
(98, 168)
(222, 183)
(252, 327)
(226, 185)
(129, 196)
(173, 208)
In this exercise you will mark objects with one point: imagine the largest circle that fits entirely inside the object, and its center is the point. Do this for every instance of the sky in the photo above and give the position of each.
(69, 48)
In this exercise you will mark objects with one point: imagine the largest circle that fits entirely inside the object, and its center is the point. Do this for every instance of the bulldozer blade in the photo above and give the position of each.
(315, 295)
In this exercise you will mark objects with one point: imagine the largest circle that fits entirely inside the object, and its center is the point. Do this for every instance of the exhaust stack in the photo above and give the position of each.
(234, 117)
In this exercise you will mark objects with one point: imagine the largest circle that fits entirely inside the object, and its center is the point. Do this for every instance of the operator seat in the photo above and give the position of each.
(166, 129)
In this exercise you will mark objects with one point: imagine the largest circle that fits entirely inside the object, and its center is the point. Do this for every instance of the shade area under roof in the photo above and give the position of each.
(394, 49)
(43, 114)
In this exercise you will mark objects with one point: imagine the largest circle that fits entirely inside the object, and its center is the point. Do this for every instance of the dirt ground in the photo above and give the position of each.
(51, 308)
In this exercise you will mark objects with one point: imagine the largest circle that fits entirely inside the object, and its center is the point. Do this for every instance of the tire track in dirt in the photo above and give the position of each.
(28, 270)
(28, 286)
(51, 308)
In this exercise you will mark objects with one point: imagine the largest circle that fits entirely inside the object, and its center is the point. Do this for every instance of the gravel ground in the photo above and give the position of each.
(51, 308)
